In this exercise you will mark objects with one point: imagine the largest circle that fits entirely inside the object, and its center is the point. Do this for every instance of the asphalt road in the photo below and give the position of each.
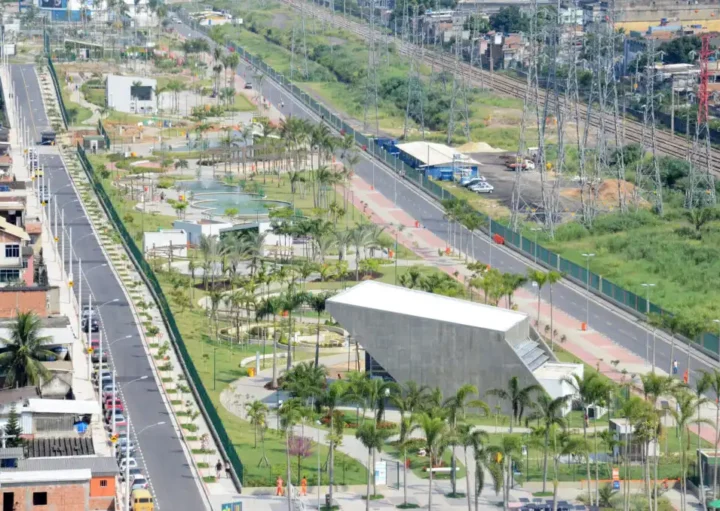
(619, 326)
(159, 447)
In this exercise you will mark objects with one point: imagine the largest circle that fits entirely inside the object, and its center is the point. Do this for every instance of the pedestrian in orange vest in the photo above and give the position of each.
(303, 487)
(279, 488)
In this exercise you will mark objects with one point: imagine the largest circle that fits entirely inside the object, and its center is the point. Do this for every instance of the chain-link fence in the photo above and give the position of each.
(707, 343)
(206, 405)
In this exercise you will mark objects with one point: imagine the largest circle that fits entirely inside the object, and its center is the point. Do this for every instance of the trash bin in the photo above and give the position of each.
(327, 501)
(251, 371)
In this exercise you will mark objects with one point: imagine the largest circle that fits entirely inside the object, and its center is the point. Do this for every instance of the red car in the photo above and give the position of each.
(118, 405)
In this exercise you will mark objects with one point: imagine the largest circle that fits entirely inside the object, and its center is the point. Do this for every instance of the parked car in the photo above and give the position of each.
(117, 404)
(483, 188)
(468, 182)
(114, 411)
(522, 165)
(134, 472)
(90, 325)
(130, 462)
(139, 483)
(44, 194)
(248, 85)
(109, 391)
(88, 310)
(121, 448)
(96, 356)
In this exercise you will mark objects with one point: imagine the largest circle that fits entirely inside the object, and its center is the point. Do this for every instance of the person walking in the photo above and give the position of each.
(675, 366)
(227, 469)
(303, 487)
(279, 487)
(218, 468)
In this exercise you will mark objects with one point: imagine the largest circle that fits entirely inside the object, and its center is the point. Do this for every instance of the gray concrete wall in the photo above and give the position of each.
(434, 353)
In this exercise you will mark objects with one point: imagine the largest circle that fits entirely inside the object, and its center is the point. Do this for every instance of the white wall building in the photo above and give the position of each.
(131, 94)
(552, 376)
(197, 228)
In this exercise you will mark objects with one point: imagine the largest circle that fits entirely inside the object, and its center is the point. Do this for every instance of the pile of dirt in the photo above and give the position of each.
(478, 147)
(608, 193)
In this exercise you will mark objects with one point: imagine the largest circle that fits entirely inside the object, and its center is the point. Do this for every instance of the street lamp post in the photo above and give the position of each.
(587, 289)
(114, 397)
(100, 345)
(127, 457)
(80, 279)
(647, 287)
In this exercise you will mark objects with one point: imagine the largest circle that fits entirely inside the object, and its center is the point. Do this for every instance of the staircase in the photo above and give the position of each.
(531, 354)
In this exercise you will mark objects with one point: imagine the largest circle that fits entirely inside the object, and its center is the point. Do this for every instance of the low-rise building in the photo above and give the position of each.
(16, 254)
(131, 94)
(164, 242)
(196, 229)
(57, 479)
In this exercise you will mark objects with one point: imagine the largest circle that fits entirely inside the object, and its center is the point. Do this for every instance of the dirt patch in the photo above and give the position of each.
(478, 147)
(608, 193)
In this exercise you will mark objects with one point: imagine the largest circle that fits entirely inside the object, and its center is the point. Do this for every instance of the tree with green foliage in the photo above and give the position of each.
(518, 397)
(373, 439)
(549, 413)
(25, 351)
(13, 429)
(435, 430)
(509, 20)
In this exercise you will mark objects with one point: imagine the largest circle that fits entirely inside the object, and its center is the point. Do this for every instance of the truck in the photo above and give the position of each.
(521, 164)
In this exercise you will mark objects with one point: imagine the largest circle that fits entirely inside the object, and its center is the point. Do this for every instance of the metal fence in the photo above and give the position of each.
(104, 133)
(636, 304)
(206, 405)
(58, 92)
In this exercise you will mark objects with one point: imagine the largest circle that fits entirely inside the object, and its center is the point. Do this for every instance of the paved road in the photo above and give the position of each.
(160, 449)
(617, 325)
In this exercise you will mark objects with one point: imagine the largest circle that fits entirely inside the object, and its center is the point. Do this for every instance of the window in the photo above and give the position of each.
(12, 250)
(103, 483)
(9, 275)
(8, 463)
(40, 498)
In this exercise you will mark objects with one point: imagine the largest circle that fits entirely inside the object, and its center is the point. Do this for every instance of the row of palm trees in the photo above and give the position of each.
(442, 424)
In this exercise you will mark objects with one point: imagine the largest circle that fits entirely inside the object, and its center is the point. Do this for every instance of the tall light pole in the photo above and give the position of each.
(127, 457)
(647, 332)
(100, 345)
(587, 289)
(80, 279)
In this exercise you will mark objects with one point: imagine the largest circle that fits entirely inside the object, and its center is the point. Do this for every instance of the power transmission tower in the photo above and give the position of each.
(415, 93)
(701, 188)
(371, 79)
(458, 100)
(294, 44)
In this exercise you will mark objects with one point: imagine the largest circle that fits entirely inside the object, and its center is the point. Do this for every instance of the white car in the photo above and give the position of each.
(134, 472)
(474, 181)
(483, 187)
(130, 462)
(139, 483)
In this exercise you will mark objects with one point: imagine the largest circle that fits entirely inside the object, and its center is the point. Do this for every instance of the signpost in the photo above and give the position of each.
(616, 478)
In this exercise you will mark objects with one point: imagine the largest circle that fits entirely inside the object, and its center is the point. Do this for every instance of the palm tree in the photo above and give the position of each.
(585, 390)
(25, 351)
(317, 302)
(291, 301)
(714, 378)
(565, 445)
(549, 413)
(377, 392)
(552, 277)
(357, 392)
(305, 381)
(455, 407)
(360, 239)
(687, 409)
(511, 283)
(702, 386)
(330, 401)
(291, 412)
(540, 278)
(519, 398)
(405, 403)
(475, 439)
(373, 439)
(435, 430)
(256, 414)
(271, 307)
(501, 467)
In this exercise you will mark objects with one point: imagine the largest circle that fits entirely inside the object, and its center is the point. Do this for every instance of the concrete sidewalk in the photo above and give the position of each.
(593, 348)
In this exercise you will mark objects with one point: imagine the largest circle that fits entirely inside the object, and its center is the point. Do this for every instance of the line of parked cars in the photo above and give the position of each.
(113, 406)
(477, 184)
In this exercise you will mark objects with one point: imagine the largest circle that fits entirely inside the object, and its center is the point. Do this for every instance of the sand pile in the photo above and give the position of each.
(478, 147)
(608, 193)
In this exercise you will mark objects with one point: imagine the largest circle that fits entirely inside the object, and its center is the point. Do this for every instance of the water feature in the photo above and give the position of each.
(215, 197)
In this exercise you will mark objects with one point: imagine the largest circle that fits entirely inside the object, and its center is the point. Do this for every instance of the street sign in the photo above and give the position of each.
(231, 506)
(380, 472)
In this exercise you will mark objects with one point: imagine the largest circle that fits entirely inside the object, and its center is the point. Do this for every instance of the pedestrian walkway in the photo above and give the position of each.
(594, 349)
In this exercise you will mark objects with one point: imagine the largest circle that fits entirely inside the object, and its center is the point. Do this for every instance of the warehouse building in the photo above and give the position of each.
(437, 161)
(131, 94)
(446, 342)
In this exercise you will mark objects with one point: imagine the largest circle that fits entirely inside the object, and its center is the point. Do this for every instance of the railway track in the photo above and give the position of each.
(630, 130)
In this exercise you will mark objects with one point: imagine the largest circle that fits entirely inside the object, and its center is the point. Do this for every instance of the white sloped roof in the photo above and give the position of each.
(432, 154)
(410, 302)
